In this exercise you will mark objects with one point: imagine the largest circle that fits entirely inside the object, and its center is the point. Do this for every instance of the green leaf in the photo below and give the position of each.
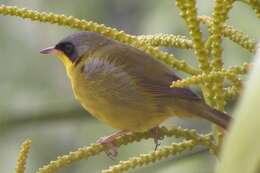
(241, 150)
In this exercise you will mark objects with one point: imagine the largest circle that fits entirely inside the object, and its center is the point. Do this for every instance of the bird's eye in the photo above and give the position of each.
(68, 49)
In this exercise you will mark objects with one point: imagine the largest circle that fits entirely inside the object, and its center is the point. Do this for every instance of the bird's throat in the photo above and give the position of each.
(66, 62)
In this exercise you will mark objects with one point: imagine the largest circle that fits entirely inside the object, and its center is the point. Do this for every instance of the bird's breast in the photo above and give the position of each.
(116, 100)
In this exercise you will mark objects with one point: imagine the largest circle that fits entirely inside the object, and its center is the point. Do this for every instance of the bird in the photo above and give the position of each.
(125, 87)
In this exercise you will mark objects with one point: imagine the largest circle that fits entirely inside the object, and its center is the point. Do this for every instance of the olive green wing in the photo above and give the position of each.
(150, 74)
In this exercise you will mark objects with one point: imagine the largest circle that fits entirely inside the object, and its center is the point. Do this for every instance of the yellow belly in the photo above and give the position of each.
(119, 114)
(119, 117)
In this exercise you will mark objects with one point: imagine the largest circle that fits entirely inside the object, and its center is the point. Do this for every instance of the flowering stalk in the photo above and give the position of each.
(154, 156)
(21, 161)
(84, 25)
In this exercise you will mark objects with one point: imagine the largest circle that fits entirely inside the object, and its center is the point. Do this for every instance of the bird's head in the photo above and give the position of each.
(74, 46)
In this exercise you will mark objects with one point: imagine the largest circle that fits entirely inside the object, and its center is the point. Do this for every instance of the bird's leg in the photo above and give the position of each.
(156, 136)
(108, 141)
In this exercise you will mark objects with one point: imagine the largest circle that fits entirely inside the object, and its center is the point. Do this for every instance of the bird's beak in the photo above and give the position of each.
(48, 50)
(57, 53)
(51, 51)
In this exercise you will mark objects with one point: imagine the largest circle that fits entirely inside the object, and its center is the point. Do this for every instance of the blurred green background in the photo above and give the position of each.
(36, 100)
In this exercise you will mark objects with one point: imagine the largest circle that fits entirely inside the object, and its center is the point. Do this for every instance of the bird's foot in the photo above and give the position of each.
(108, 142)
(155, 132)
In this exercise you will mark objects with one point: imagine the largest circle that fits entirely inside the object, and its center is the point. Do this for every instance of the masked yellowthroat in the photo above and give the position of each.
(125, 87)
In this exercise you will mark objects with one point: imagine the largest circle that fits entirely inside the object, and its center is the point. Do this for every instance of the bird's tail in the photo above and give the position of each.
(198, 108)
(215, 116)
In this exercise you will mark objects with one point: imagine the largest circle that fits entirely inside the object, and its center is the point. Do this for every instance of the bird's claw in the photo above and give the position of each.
(111, 149)
(157, 144)
(108, 142)
(156, 136)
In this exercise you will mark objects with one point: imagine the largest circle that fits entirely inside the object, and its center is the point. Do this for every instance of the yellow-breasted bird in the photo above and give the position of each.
(125, 87)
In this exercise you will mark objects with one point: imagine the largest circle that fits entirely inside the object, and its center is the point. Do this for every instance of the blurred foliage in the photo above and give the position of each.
(244, 129)
(30, 89)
